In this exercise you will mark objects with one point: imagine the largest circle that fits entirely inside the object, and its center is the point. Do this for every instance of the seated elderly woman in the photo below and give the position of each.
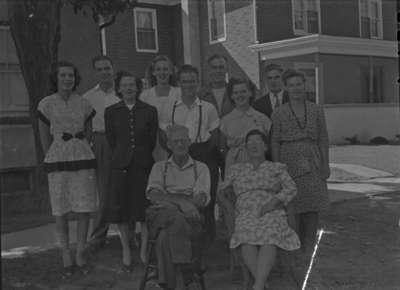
(178, 188)
(262, 189)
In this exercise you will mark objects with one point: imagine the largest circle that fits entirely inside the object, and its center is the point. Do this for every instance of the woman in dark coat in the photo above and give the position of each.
(131, 130)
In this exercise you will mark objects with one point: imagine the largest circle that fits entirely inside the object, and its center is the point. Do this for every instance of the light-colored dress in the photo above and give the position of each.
(254, 188)
(305, 151)
(69, 161)
(161, 103)
(235, 126)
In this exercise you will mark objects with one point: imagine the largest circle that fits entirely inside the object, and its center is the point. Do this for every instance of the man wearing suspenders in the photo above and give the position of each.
(201, 119)
(179, 189)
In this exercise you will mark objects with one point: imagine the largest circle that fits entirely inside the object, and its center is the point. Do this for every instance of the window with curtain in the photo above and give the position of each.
(370, 18)
(216, 20)
(13, 93)
(306, 16)
(146, 30)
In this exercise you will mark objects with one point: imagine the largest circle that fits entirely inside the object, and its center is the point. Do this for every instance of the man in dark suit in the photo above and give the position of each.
(276, 94)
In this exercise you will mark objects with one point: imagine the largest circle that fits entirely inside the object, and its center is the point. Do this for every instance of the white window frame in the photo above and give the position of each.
(154, 20)
(380, 23)
(222, 39)
(12, 107)
(305, 31)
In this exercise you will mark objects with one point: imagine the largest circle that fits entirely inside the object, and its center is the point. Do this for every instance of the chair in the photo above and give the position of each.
(226, 201)
(150, 264)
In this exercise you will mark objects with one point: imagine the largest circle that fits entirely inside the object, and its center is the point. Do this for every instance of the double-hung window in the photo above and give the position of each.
(370, 18)
(216, 20)
(13, 94)
(146, 34)
(306, 16)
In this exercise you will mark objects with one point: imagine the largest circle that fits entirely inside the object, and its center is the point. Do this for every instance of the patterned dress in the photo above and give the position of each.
(305, 152)
(161, 103)
(254, 188)
(69, 161)
(235, 126)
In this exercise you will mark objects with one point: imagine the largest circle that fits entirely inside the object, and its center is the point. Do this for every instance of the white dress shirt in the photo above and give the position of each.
(100, 100)
(190, 179)
(273, 99)
(190, 118)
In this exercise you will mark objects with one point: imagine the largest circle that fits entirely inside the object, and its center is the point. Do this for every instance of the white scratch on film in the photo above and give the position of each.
(320, 233)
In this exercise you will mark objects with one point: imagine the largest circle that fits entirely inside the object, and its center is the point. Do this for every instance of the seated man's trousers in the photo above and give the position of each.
(179, 241)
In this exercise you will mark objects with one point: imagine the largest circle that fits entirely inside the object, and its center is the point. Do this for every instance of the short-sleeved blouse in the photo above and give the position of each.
(67, 118)
(150, 97)
(237, 124)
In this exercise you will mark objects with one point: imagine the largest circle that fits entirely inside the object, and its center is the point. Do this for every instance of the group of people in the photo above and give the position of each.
(160, 156)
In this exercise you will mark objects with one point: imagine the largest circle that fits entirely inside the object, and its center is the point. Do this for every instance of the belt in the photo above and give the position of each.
(99, 132)
(68, 136)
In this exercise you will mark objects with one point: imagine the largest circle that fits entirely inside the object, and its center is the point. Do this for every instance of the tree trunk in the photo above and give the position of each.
(35, 28)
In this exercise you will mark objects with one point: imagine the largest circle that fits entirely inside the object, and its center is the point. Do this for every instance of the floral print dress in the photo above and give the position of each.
(69, 162)
(305, 151)
(254, 188)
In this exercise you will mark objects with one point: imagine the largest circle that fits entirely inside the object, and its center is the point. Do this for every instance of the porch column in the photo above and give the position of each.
(319, 82)
(191, 32)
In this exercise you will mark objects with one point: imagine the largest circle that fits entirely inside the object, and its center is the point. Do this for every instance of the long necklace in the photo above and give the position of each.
(297, 119)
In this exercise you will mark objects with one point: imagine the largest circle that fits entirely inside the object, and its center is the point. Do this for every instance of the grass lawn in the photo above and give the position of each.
(360, 251)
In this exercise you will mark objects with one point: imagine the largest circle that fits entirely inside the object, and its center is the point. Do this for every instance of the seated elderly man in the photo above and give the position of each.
(179, 188)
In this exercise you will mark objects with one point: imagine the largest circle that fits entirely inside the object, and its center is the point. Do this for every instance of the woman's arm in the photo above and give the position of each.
(284, 196)
(323, 144)
(288, 187)
(44, 133)
(89, 130)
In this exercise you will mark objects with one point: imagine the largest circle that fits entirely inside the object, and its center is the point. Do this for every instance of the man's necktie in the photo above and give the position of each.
(277, 103)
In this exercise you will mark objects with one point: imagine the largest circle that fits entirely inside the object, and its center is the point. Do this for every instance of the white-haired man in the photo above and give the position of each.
(179, 189)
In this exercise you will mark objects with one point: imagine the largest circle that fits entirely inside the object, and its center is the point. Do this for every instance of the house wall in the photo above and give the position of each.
(121, 46)
(342, 78)
(240, 33)
(389, 8)
(80, 41)
(274, 20)
(338, 18)
(365, 121)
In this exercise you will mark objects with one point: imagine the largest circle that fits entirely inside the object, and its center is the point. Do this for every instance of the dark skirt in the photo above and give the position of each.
(127, 200)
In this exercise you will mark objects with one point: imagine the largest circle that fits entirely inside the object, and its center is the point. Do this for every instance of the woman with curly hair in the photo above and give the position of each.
(161, 77)
(243, 118)
(65, 125)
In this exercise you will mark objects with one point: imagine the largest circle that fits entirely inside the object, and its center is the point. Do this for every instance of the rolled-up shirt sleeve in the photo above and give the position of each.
(156, 178)
(288, 187)
(203, 181)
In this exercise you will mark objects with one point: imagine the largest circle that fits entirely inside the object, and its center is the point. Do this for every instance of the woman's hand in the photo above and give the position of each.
(271, 205)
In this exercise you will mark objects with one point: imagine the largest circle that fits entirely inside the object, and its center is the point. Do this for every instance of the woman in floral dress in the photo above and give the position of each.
(243, 118)
(262, 189)
(69, 160)
(162, 80)
(300, 140)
